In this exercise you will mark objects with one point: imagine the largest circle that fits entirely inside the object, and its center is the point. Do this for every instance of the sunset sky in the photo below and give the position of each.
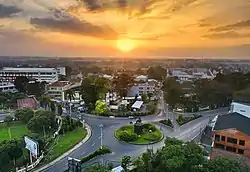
(148, 28)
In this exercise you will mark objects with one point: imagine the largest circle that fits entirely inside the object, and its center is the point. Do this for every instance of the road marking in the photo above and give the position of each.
(93, 144)
(83, 153)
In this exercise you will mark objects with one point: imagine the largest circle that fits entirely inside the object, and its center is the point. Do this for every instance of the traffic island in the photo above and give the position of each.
(139, 134)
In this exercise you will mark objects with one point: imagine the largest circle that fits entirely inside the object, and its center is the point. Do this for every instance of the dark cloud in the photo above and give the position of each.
(237, 25)
(178, 5)
(226, 35)
(66, 24)
(92, 5)
(8, 11)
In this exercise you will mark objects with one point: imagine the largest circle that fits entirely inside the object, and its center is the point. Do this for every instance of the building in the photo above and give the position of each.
(49, 75)
(29, 102)
(231, 137)
(57, 90)
(61, 70)
(241, 108)
(141, 78)
(142, 88)
(7, 87)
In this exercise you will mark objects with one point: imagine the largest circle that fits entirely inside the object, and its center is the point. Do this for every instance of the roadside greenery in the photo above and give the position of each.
(101, 151)
(150, 134)
(66, 142)
(9, 100)
(167, 122)
(101, 107)
(178, 156)
(183, 120)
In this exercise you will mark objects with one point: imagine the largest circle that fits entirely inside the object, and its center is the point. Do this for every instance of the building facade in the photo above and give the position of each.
(241, 108)
(57, 90)
(9, 74)
(142, 88)
(231, 137)
(7, 87)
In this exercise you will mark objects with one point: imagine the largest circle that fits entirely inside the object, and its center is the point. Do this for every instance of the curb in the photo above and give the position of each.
(89, 134)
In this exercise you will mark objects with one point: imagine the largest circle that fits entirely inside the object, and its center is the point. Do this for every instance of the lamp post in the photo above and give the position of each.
(101, 126)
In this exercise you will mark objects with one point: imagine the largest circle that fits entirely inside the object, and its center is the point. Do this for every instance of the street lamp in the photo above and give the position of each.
(101, 126)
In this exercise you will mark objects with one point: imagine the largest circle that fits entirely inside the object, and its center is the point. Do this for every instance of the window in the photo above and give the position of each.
(232, 140)
(242, 142)
(217, 137)
(223, 138)
(240, 151)
(230, 149)
(242, 110)
(220, 146)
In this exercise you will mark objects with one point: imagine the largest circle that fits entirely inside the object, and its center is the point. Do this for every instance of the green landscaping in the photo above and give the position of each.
(101, 151)
(15, 130)
(67, 141)
(167, 122)
(183, 120)
(150, 134)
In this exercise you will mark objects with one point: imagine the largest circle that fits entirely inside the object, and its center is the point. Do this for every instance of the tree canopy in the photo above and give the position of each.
(93, 88)
(157, 72)
(122, 83)
(24, 115)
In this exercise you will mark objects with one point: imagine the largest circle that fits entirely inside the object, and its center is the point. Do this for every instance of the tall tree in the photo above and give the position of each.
(21, 83)
(70, 94)
(24, 115)
(122, 83)
(60, 110)
(92, 89)
(157, 72)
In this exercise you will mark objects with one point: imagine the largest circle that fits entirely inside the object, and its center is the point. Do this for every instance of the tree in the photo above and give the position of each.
(8, 120)
(101, 107)
(44, 102)
(126, 160)
(24, 115)
(177, 156)
(70, 94)
(92, 89)
(52, 106)
(172, 92)
(21, 83)
(42, 121)
(36, 88)
(59, 109)
(157, 73)
(122, 83)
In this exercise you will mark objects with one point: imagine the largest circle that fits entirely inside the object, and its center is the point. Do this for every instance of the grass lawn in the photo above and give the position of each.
(145, 138)
(15, 130)
(67, 141)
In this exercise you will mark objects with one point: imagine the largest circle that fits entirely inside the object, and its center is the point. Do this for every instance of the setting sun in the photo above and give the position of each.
(125, 45)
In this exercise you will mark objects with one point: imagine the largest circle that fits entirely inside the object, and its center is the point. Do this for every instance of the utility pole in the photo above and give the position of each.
(101, 126)
(70, 112)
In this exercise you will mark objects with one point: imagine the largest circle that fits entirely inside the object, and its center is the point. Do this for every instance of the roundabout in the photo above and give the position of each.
(139, 134)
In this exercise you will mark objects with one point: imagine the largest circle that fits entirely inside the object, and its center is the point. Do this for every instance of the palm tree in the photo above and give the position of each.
(45, 102)
(70, 94)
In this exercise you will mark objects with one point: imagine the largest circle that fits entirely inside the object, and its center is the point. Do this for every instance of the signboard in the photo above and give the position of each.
(32, 146)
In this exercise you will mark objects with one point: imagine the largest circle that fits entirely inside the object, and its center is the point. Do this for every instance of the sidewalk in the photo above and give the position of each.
(89, 133)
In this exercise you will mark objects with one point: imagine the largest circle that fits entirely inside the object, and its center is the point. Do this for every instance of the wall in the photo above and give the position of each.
(233, 133)
(240, 108)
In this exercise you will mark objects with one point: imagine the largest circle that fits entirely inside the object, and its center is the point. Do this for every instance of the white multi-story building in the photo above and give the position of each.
(7, 87)
(142, 88)
(49, 75)
(57, 90)
(241, 108)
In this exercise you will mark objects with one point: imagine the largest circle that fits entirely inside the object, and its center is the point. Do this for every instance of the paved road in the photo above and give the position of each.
(186, 132)
(2, 116)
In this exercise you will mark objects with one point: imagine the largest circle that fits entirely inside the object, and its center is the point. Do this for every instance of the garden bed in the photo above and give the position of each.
(101, 151)
(183, 120)
(167, 122)
(149, 135)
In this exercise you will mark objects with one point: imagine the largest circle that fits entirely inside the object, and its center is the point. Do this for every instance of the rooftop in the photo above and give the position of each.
(26, 69)
(233, 120)
(59, 84)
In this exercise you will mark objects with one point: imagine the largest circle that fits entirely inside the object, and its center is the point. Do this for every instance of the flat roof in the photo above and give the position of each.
(233, 120)
(26, 69)
(137, 104)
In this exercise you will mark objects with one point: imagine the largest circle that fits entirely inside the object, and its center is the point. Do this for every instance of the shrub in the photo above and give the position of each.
(149, 126)
(100, 151)
(128, 136)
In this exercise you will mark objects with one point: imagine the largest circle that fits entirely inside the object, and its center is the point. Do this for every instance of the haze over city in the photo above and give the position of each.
(131, 28)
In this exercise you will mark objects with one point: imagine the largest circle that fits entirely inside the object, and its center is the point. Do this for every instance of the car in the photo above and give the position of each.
(130, 117)
(111, 116)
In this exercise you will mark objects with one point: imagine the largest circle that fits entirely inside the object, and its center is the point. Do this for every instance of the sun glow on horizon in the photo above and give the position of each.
(125, 45)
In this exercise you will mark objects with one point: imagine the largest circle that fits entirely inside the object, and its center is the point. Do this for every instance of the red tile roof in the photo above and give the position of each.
(30, 102)
(59, 84)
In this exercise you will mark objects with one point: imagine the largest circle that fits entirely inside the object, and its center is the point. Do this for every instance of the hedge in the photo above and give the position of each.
(101, 151)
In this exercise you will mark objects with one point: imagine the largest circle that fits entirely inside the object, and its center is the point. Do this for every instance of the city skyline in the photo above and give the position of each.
(192, 28)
